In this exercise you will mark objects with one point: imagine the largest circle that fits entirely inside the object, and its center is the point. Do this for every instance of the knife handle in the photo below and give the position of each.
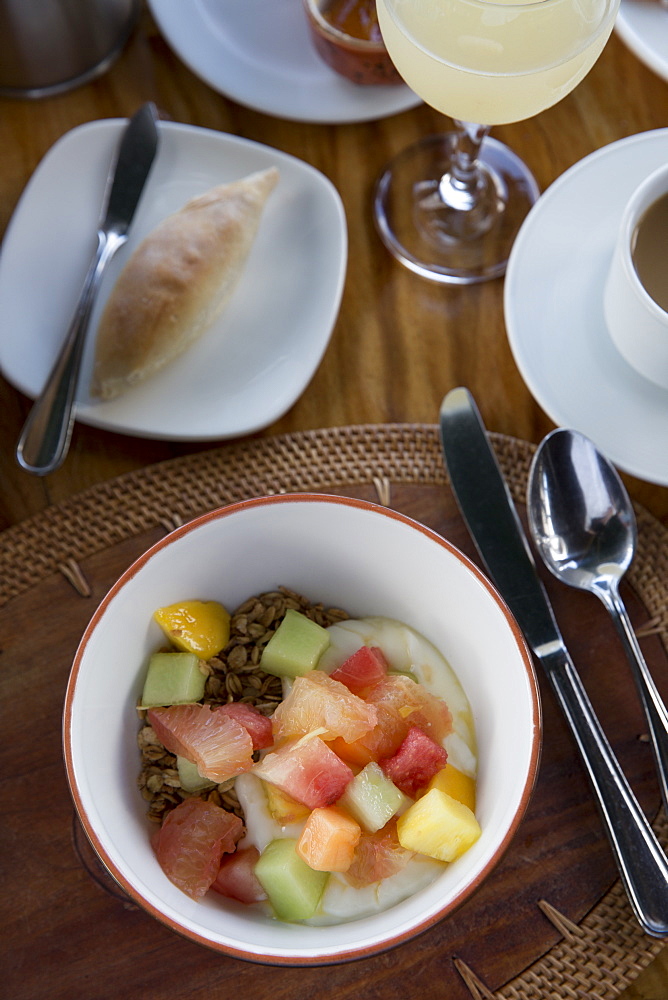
(46, 433)
(642, 864)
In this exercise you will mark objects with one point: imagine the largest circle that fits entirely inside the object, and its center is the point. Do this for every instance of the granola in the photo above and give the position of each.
(233, 675)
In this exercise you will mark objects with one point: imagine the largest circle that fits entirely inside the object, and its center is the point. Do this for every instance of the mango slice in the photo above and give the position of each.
(454, 782)
(200, 627)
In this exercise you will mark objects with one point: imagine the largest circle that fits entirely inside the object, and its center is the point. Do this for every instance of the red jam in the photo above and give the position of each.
(357, 18)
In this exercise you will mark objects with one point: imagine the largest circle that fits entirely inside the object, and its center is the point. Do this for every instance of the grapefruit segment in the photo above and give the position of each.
(377, 856)
(191, 842)
(318, 702)
(414, 703)
(218, 744)
(381, 741)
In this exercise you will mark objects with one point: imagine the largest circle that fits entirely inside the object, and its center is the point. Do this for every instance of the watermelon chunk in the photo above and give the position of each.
(218, 744)
(318, 702)
(191, 842)
(236, 877)
(307, 770)
(362, 670)
(414, 703)
(415, 763)
(257, 724)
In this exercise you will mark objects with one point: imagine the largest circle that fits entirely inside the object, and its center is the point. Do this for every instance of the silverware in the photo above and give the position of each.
(582, 521)
(45, 437)
(492, 520)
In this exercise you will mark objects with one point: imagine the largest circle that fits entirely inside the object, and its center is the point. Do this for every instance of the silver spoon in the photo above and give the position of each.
(582, 521)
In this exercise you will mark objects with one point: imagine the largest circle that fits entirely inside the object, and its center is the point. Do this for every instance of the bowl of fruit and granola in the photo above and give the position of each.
(286, 729)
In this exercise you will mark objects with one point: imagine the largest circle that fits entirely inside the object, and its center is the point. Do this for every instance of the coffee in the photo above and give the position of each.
(649, 250)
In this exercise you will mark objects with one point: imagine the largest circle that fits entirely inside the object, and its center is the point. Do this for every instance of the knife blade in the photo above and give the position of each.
(493, 522)
(46, 435)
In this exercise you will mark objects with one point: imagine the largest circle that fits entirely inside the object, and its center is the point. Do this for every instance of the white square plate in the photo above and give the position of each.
(259, 356)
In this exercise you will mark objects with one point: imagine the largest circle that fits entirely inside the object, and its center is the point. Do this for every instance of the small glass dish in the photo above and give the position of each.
(364, 61)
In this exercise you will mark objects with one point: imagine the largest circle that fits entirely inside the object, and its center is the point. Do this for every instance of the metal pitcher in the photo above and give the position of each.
(49, 46)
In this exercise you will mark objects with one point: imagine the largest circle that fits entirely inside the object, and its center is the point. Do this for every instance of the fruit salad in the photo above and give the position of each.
(352, 791)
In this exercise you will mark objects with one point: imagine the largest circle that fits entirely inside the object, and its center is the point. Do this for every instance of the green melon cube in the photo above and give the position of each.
(190, 778)
(404, 673)
(173, 679)
(295, 647)
(371, 798)
(294, 890)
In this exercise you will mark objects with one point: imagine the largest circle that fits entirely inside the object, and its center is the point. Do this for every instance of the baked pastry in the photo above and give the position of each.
(177, 282)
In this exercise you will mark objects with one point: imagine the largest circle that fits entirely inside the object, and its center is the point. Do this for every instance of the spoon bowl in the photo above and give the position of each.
(581, 515)
(584, 527)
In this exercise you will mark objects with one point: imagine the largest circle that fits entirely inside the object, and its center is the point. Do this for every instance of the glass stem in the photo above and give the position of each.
(464, 184)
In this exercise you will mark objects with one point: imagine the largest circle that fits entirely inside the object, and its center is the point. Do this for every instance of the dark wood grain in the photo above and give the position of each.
(59, 903)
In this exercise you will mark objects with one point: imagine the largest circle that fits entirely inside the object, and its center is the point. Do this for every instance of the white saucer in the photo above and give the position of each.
(255, 361)
(259, 53)
(554, 309)
(643, 27)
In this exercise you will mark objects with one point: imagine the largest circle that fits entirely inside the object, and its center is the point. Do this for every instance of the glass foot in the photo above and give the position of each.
(450, 243)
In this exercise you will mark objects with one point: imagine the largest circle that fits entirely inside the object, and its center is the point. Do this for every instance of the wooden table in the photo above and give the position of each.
(400, 342)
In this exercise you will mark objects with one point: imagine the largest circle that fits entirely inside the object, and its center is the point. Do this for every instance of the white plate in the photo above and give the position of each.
(255, 361)
(554, 309)
(643, 27)
(259, 53)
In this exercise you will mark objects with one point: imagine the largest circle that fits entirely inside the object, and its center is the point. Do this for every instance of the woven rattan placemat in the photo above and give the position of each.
(597, 958)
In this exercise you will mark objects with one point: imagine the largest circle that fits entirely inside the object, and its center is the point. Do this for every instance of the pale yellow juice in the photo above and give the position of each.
(494, 63)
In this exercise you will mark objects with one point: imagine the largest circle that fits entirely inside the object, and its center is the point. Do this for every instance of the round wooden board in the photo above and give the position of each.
(551, 922)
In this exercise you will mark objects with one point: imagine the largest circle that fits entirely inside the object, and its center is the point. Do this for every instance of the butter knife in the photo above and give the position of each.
(45, 438)
(492, 520)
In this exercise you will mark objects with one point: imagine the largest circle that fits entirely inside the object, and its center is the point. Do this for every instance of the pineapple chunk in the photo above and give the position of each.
(439, 826)
(200, 627)
(454, 782)
(283, 807)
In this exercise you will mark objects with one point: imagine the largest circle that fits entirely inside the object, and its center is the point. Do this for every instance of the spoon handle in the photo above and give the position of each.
(642, 864)
(655, 709)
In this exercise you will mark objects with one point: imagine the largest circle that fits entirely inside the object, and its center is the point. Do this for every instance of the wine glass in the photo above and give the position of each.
(449, 207)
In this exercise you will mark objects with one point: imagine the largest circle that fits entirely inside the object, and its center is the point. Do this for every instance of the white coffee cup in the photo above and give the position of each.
(637, 324)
